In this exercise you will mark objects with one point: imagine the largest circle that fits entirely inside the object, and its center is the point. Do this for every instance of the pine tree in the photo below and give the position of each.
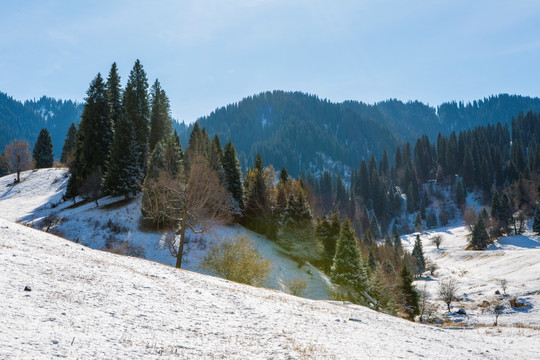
(160, 117)
(480, 237)
(409, 295)
(43, 150)
(69, 144)
(137, 111)
(347, 268)
(233, 178)
(536, 222)
(418, 253)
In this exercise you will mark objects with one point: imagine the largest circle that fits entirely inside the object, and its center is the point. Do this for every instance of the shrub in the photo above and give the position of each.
(237, 260)
(297, 286)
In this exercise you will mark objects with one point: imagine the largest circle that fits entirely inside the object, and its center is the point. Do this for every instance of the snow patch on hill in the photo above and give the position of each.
(91, 304)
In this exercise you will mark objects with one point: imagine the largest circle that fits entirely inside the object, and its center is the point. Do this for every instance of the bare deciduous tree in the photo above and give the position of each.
(448, 289)
(504, 285)
(192, 201)
(91, 187)
(437, 240)
(469, 217)
(18, 157)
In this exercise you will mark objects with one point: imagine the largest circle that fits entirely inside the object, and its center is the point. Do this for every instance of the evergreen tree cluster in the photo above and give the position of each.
(112, 141)
(492, 160)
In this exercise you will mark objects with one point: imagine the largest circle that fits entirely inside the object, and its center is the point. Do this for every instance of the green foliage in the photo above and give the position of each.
(479, 237)
(409, 296)
(160, 116)
(418, 253)
(43, 150)
(233, 177)
(69, 144)
(137, 111)
(237, 260)
(93, 139)
(347, 268)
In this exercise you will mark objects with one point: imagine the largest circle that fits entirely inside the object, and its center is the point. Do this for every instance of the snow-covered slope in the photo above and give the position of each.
(515, 259)
(91, 304)
(40, 192)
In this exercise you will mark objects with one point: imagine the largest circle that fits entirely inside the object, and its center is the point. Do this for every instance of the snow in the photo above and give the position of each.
(515, 259)
(86, 303)
(29, 202)
(92, 304)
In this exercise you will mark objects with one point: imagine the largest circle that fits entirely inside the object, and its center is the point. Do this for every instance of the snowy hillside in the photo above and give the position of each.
(478, 274)
(33, 199)
(91, 304)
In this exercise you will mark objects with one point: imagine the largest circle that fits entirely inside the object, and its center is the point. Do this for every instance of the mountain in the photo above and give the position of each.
(303, 132)
(24, 120)
(298, 131)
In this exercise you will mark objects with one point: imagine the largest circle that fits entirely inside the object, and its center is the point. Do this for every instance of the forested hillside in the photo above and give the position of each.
(24, 121)
(303, 132)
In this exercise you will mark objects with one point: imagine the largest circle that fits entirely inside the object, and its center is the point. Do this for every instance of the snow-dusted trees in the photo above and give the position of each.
(347, 269)
(194, 200)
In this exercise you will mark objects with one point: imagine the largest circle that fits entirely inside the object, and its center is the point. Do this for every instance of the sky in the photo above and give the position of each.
(209, 53)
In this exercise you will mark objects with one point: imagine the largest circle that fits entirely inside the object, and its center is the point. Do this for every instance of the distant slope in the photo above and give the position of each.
(90, 304)
(302, 132)
(24, 120)
(298, 131)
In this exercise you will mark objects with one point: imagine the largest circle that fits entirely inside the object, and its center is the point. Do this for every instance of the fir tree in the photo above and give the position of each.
(43, 150)
(94, 137)
(160, 117)
(418, 253)
(257, 202)
(69, 144)
(124, 174)
(114, 97)
(409, 295)
(233, 177)
(347, 268)
(480, 237)
(215, 156)
(137, 111)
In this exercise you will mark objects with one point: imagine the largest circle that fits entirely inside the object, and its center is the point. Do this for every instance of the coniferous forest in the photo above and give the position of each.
(347, 219)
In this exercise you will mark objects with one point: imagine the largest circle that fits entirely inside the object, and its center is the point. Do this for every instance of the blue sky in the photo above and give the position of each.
(210, 53)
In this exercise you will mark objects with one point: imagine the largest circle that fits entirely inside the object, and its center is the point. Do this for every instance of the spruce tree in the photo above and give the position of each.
(137, 111)
(233, 178)
(94, 137)
(461, 194)
(347, 268)
(69, 144)
(257, 202)
(410, 298)
(215, 157)
(114, 97)
(124, 174)
(480, 237)
(160, 117)
(418, 253)
(43, 150)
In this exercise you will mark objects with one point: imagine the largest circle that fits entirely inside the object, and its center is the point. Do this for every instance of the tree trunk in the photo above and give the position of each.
(180, 247)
